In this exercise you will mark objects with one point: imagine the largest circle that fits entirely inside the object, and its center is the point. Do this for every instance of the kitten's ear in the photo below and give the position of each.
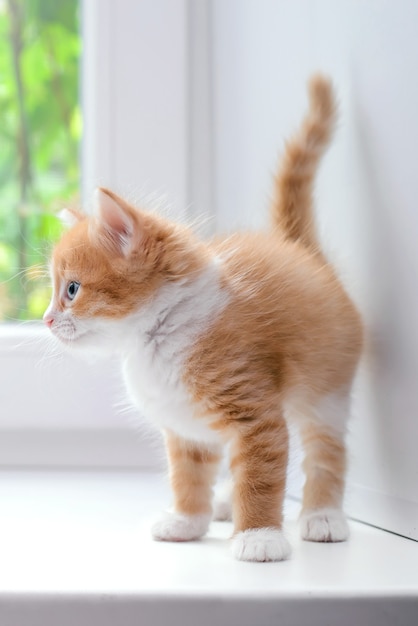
(70, 217)
(117, 223)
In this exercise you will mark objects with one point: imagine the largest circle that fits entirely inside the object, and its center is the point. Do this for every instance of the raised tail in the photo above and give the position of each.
(292, 207)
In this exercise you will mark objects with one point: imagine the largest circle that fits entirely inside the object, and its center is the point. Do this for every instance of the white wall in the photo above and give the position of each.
(264, 52)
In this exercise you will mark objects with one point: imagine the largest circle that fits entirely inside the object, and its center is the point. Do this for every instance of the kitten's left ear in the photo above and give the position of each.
(118, 223)
(70, 217)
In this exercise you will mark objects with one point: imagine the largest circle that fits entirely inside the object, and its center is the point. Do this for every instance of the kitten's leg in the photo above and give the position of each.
(259, 463)
(322, 518)
(192, 474)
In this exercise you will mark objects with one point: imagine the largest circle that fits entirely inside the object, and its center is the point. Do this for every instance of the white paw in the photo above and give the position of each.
(177, 527)
(222, 504)
(327, 525)
(222, 509)
(260, 544)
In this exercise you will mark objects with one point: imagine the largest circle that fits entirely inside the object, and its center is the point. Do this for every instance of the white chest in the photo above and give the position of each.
(153, 367)
(156, 389)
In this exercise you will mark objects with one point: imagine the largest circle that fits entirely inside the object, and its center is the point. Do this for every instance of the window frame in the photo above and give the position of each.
(108, 32)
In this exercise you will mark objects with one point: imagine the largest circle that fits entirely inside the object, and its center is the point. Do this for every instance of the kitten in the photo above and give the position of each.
(222, 342)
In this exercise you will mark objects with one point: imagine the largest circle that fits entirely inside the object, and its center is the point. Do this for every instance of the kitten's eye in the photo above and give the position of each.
(72, 289)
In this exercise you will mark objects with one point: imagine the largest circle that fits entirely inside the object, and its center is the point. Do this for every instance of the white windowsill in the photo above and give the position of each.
(21, 336)
(76, 549)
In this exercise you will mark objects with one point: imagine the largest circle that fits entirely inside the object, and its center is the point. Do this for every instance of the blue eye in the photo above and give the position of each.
(72, 289)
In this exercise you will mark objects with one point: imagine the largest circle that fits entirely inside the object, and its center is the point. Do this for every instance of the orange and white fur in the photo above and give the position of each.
(223, 342)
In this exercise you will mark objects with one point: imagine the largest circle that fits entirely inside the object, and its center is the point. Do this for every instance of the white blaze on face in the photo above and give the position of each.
(58, 317)
(51, 312)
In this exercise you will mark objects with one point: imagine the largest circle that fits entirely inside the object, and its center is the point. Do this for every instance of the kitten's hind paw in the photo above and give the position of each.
(260, 544)
(222, 507)
(178, 527)
(222, 511)
(222, 504)
(326, 525)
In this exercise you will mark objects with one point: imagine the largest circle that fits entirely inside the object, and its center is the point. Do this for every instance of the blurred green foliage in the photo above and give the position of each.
(40, 130)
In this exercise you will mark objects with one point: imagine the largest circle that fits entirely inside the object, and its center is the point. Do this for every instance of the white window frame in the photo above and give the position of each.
(42, 421)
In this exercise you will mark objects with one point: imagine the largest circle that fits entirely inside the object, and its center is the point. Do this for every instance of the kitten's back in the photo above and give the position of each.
(295, 318)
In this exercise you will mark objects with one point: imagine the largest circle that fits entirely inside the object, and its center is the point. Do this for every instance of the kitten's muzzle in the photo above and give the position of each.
(48, 319)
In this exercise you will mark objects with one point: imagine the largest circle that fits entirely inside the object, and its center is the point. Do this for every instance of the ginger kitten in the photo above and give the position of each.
(223, 342)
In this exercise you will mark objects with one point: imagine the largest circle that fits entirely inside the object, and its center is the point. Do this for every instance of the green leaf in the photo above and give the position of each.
(49, 66)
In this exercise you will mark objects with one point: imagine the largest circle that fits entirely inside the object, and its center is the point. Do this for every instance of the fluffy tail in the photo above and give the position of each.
(292, 208)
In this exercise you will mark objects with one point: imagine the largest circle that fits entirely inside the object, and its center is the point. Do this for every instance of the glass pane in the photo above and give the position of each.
(40, 131)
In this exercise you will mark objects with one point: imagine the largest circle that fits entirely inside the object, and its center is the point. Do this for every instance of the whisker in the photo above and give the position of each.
(8, 280)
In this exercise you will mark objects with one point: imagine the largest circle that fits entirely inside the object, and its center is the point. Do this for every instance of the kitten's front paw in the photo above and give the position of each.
(260, 544)
(327, 525)
(177, 527)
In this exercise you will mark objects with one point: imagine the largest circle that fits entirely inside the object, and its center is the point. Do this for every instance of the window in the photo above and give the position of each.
(55, 409)
(39, 157)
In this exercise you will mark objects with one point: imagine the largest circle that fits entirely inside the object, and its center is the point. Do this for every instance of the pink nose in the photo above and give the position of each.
(48, 319)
